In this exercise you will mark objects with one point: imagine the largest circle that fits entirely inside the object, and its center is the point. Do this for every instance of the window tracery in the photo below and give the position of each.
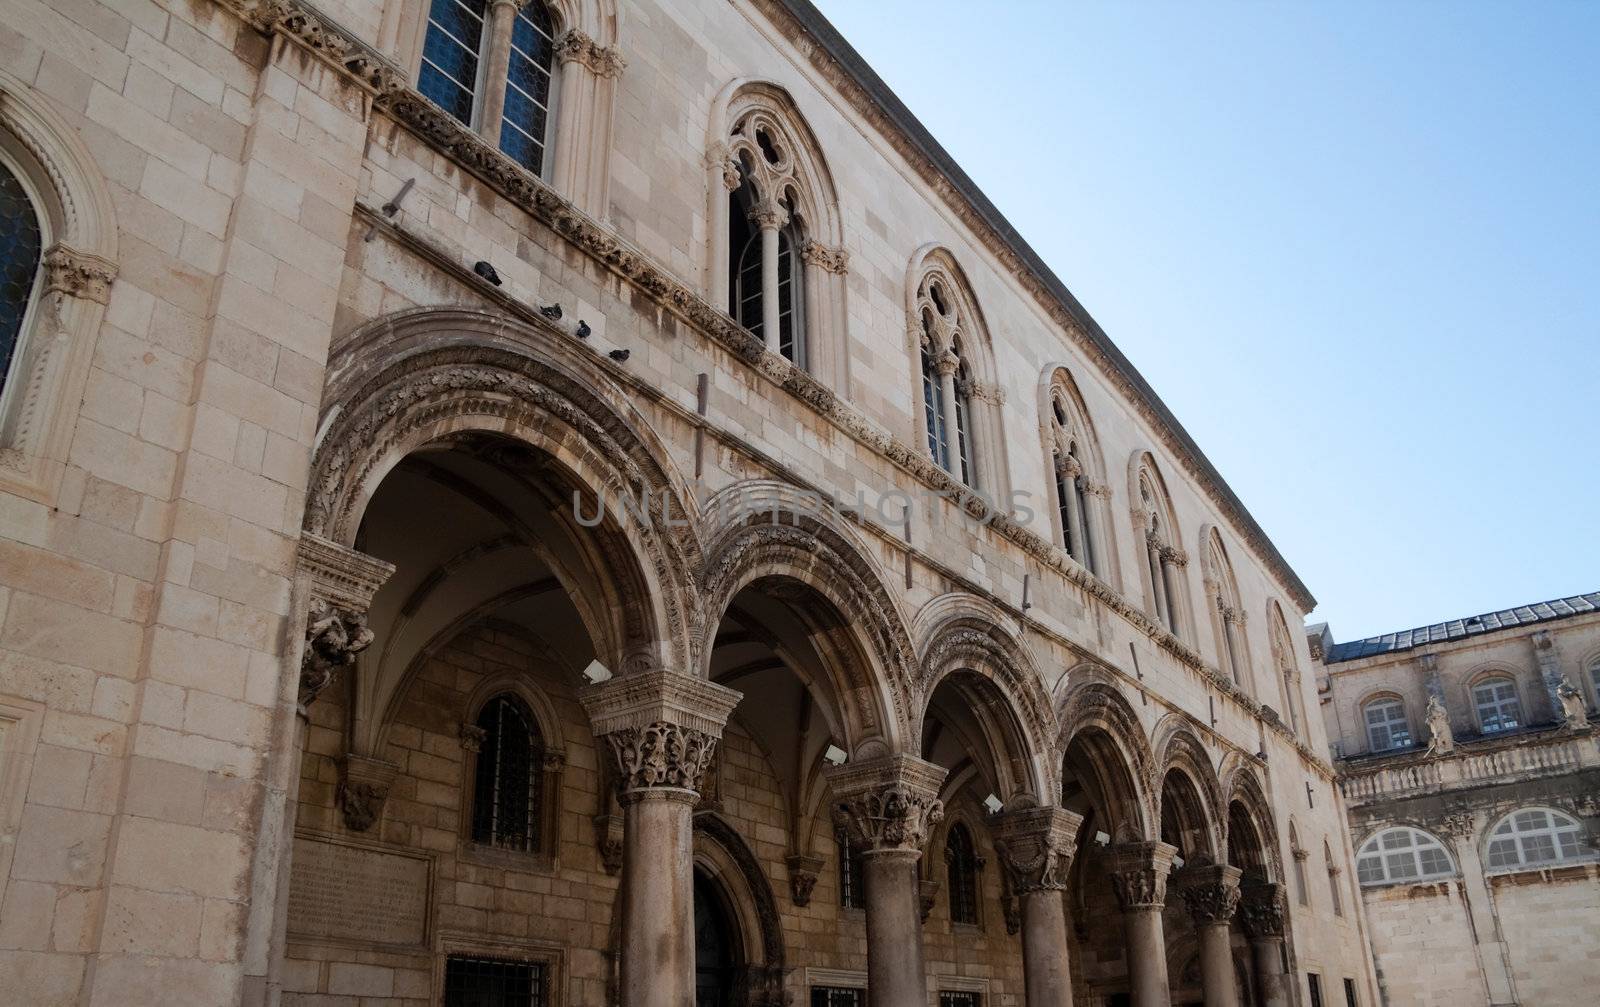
(944, 342)
(1227, 612)
(1077, 493)
(22, 242)
(1164, 561)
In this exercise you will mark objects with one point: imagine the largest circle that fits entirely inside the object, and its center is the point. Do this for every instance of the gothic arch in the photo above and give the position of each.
(721, 852)
(1072, 450)
(1285, 665)
(1179, 751)
(78, 262)
(945, 324)
(432, 375)
(1091, 709)
(1247, 804)
(1163, 566)
(1225, 610)
(961, 635)
(763, 530)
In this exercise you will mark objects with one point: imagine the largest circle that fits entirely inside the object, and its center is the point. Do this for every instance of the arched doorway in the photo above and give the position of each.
(716, 945)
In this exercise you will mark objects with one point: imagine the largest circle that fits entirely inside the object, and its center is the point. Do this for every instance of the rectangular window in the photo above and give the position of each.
(1315, 982)
(1350, 993)
(852, 891)
(959, 998)
(476, 981)
(837, 996)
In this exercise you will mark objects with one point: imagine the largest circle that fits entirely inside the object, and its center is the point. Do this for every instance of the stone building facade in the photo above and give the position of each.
(1468, 759)
(586, 503)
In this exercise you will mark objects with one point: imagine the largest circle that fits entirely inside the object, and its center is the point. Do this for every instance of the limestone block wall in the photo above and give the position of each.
(1424, 945)
(1551, 922)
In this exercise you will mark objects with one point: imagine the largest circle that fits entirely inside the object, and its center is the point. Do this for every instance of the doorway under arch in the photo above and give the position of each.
(716, 945)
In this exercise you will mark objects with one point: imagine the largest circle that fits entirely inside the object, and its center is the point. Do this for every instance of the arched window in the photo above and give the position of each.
(1227, 613)
(1299, 854)
(946, 382)
(1535, 836)
(22, 243)
(1495, 699)
(1333, 878)
(1072, 460)
(751, 223)
(1594, 677)
(1402, 854)
(507, 793)
(852, 891)
(1164, 561)
(1387, 728)
(1286, 663)
(471, 44)
(961, 864)
(933, 403)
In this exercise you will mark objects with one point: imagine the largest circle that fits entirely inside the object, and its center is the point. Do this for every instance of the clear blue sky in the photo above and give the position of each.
(1354, 246)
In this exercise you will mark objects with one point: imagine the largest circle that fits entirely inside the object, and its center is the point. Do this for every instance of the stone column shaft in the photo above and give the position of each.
(1036, 847)
(496, 63)
(1211, 894)
(952, 436)
(1262, 914)
(1158, 585)
(662, 730)
(769, 282)
(1139, 879)
(887, 807)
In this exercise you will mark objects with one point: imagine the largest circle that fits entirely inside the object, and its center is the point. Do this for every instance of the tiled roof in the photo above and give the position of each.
(1457, 629)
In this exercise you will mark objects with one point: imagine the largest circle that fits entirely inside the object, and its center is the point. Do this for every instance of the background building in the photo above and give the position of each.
(383, 376)
(1470, 766)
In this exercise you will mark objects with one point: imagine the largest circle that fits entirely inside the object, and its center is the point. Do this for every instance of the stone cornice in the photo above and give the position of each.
(844, 69)
(301, 24)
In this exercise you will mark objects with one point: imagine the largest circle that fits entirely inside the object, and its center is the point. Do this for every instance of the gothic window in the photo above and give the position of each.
(1069, 459)
(1227, 613)
(852, 892)
(961, 864)
(507, 794)
(947, 343)
(1333, 878)
(1164, 561)
(1535, 836)
(477, 981)
(766, 231)
(1286, 663)
(463, 50)
(1497, 704)
(1387, 728)
(933, 405)
(1402, 854)
(1301, 893)
(21, 252)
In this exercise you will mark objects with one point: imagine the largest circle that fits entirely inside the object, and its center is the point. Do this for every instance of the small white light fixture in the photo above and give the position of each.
(993, 804)
(596, 673)
(1102, 839)
(834, 756)
(1177, 862)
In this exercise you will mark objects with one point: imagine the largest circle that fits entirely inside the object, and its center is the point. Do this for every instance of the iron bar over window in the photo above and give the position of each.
(507, 793)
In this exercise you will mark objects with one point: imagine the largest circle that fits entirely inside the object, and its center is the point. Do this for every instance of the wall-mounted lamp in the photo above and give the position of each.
(834, 756)
(993, 804)
(596, 673)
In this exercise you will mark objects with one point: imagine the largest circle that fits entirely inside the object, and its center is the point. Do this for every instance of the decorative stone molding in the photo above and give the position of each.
(1139, 872)
(662, 728)
(927, 895)
(603, 61)
(803, 872)
(78, 274)
(1210, 893)
(472, 737)
(832, 260)
(302, 25)
(334, 636)
(363, 787)
(342, 583)
(1036, 847)
(608, 841)
(769, 215)
(1262, 910)
(889, 804)
(1459, 825)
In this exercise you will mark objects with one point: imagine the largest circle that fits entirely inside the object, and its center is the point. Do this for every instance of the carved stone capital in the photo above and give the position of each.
(1101, 490)
(1036, 847)
(363, 787)
(769, 215)
(608, 841)
(1210, 893)
(662, 728)
(78, 274)
(947, 363)
(1172, 554)
(803, 871)
(1139, 874)
(887, 804)
(833, 260)
(472, 737)
(574, 46)
(1261, 910)
(1068, 466)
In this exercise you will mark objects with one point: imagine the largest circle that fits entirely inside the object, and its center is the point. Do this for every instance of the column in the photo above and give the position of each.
(1211, 893)
(888, 806)
(1478, 902)
(1158, 583)
(1261, 911)
(496, 61)
(947, 364)
(1073, 505)
(1230, 632)
(1036, 847)
(580, 119)
(1139, 879)
(770, 217)
(662, 731)
(726, 176)
(1169, 560)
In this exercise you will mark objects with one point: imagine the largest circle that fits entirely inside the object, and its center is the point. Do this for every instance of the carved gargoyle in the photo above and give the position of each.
(334, 636)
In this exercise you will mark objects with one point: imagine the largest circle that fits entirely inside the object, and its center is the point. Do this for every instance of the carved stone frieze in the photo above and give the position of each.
(1210, 893)
(1261, 910)
(662, 728)
(603, 61)
(363, 787)
(803, 872)
(887, 804)
(334, 636)
(302, 25)
(1139, 872)
(78, 274)
(1036, 847)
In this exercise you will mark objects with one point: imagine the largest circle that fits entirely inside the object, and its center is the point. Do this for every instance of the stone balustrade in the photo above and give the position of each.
(1491, 760)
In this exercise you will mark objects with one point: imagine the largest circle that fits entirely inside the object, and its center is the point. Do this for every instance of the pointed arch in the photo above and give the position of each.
(1252, 830)
(1097, 718)
(1164, 563)
(1196, 804)
(1225, 610)
(1285, 666)
(957, 417)
(1076, 473)
(722, 854)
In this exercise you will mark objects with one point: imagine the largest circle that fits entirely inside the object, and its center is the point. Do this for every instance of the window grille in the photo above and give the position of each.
(959, 998)
(527, 105)
(475, 981)
(1535, 836)
(508, 791)
(1402, 854)
(852, 891)
(21, 248)
(837, 996)
(961, 862)
(1386, 725)
(1498, 708)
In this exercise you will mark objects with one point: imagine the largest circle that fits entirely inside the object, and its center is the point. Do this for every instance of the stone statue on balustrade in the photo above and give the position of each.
(1440, 740)
(1573, 711)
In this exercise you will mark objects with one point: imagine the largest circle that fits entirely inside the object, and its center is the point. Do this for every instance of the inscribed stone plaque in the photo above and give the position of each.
(352, 893)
